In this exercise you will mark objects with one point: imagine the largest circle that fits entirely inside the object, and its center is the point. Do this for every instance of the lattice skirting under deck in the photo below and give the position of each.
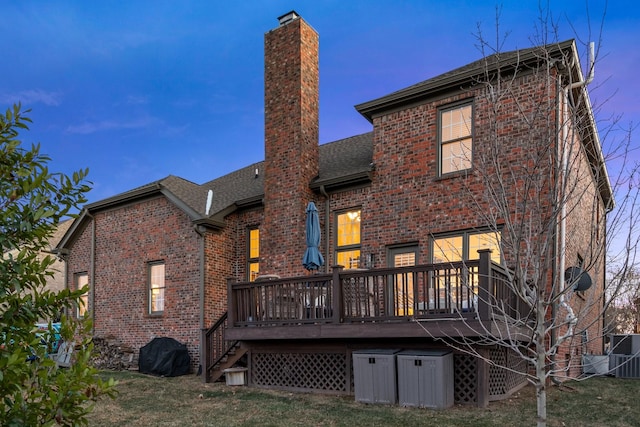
(333, 372)
(503, 382)
(306, 371)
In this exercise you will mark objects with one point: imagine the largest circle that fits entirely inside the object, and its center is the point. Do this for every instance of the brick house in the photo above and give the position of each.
(55, 282)
(403, 211)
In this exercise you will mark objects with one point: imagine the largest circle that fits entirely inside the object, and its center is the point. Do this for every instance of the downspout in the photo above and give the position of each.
(92, 273)
(571, 317)
(200, 233)
(62, 255)
(196, 228)
(327, 231)
(604, 283)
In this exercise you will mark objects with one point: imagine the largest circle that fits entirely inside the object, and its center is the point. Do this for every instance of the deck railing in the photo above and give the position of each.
(470, 289)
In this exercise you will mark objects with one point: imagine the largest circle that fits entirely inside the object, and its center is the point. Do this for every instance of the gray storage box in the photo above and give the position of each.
(374, 376)
(425, 378)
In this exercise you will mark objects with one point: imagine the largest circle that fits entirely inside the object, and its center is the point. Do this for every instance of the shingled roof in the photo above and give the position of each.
(342, 162)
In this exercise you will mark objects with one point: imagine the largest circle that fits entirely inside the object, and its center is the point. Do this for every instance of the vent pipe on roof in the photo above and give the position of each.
(288, 17)
(209, 201)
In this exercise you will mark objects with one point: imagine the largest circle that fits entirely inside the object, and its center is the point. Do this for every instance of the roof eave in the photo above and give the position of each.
(61, 247)
(454, 82)
(355, 179)
(213, 223)
(250, 201)
(124, 198)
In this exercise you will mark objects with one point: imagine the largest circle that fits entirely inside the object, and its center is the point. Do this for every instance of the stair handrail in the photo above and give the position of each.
(214, 354)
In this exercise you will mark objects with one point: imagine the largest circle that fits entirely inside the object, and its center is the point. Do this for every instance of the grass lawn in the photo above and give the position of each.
(186, 401)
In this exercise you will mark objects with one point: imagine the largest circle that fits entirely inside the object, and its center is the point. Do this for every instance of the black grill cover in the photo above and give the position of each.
(164, 357)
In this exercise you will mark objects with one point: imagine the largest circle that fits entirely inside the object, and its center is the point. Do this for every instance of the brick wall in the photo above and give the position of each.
(291, 142)
(514, 146)
(126, 240)
(410, 202)
(585, 226)
(226, 257)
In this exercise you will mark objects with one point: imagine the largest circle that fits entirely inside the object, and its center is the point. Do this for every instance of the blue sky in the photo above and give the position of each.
(138, 90)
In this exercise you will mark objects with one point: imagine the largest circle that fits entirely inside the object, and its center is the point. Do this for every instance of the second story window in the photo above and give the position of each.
(253, 254)
(156, 288)
(348, 239)
(455, 138)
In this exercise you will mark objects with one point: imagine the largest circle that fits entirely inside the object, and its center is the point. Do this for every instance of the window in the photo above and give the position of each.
(465, 246)
(82, 280)
(453, 287)
(253, 254)
(348, 239)
(403, 290)
(156, 288)
(455, 138)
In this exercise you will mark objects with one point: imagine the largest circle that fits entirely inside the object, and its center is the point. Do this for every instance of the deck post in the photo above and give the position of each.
(231, 306)
(482, 385)
(484, 283)
(337, 294)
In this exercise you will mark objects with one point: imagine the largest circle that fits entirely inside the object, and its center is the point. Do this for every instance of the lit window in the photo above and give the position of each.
(156, 288)
(447, 249)
(82, 280)
(348, 239)
(465, 246)
(253, 256)
(403, 291)
(484, 241)
(452, 287)
(456, 142)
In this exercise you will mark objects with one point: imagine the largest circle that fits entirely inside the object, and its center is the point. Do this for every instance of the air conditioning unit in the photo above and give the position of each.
(625, 344)
(624, 365)
(593, 364)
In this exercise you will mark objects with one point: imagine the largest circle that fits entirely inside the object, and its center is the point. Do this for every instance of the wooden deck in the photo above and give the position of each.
(449, 299)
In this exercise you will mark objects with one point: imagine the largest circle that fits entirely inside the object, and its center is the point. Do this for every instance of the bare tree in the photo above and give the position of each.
(541, 182)
(623, 313)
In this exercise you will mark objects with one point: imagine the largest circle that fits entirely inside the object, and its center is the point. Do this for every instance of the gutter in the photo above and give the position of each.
(120, 199)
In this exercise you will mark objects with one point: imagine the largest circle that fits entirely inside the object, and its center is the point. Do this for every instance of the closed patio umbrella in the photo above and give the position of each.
(312, 259)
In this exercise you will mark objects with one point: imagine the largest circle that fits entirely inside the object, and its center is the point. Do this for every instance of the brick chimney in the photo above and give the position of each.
(291, 93)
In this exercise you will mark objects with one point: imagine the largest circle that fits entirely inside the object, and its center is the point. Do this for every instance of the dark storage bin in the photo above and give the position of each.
(374, 375)
(425, 378)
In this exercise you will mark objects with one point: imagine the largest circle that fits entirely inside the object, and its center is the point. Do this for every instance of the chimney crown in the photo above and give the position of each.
(288, 17)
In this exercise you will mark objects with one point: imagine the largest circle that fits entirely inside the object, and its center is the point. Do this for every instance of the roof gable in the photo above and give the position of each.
(517, 60)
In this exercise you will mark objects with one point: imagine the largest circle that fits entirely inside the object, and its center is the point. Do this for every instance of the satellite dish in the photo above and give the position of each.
(578, 278)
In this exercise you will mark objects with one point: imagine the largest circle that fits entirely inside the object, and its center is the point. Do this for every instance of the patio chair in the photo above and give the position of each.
(64, 354)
